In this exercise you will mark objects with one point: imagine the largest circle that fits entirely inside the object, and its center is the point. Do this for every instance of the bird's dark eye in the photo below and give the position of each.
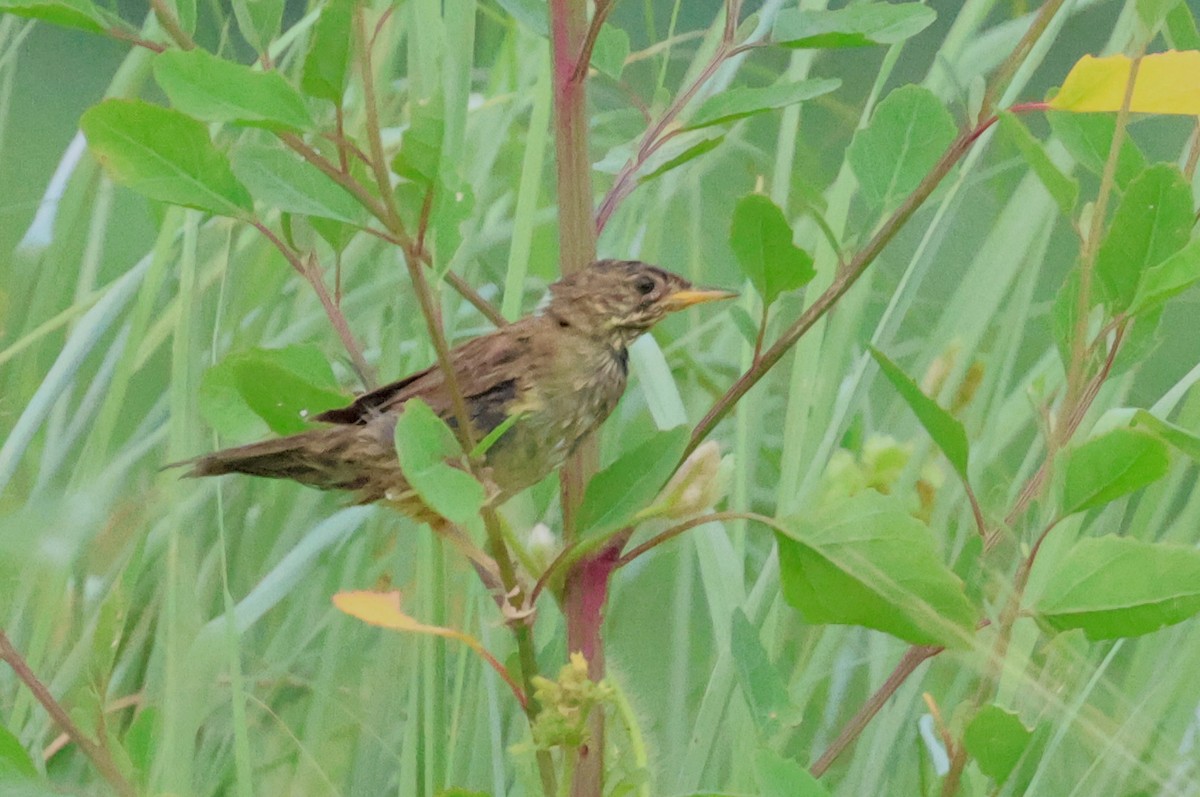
(644, 285)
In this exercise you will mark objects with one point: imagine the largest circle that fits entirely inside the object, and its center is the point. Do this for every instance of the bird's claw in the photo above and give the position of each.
(523, 614)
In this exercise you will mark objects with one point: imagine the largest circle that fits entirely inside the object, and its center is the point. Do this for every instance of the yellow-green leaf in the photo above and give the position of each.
(1166, 83)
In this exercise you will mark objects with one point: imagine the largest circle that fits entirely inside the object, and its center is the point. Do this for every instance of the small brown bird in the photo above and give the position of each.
(560, 371)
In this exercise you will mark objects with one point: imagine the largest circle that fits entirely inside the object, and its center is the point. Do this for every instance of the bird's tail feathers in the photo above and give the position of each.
(316, 458)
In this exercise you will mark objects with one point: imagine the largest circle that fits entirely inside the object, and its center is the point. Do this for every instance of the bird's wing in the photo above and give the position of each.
(481, 365)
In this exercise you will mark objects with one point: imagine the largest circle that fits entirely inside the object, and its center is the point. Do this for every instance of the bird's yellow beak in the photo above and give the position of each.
(690, 296)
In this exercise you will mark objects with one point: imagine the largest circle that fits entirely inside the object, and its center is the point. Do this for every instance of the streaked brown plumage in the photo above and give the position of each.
(561, 371)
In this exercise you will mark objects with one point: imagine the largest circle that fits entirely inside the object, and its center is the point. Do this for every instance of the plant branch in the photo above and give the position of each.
(688, 525)
(658, 133)
(603, 9)
(312, 275)
(912, 658)
(97, 753)
(842, 282)
(170, 23)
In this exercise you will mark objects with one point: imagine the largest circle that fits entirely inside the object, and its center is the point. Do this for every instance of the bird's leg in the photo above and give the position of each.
(489, 573)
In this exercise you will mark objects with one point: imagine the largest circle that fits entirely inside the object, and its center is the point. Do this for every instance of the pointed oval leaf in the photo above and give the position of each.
(164, 155)
(782, 777)
(1168, 279)
(1153, 222)
(14, 759)
(761, 683)
(1182, 440)
(285, 181)
(1114, 587)
(996, 739)
(907, 134)
(1088, 137)
(856, 26)
(216, 90)
(1110, 466)
(327, 63)
(258, 20)
(738, 103)
(611, 50)
(1165, 84)
(77, 14)
(762, 242)
(867, 562)
(946, 430)
(284, 387)
(615, 494)
(424, 443)
(691, 153)
(1063, 190)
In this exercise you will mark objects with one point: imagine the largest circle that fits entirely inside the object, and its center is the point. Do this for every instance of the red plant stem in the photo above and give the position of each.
(98, 755)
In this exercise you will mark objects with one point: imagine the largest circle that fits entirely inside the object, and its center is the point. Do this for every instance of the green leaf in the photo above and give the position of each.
(738, 103)
(1115, 587)
(1168, 279)
(1088, 137)
(258, 20)
(1181, 439)
(424, 443)
(261, 380)
(782, 777)
(616, 493)
(420, 155)
(77, 14)
(285, 181)
(760, 682)
(327, 63)
(280, 393)
(1063, 189)
(1110, 466)
(164, 155)
(1153, 222)
(996, 739)
(946, 430)
(692, 152)
(857, 26)
(762, 242)
(909, 131)
(14, 759)
(216, 90)
(866, 561)
(611, 50)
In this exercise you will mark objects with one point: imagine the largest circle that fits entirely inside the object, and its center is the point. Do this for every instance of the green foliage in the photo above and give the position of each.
(868, 562)
(856, 26)
(762, 241)
(216, 90)
(996, 739)
(907, 134)
(1111, 466)
(1153, 222)
(616, 493)
(196, 617)
(729, 106)
(283, 387)
(781, 777)
(1115, 587)
(947, 432)
(163, 155)
(424, 444)
(286, 182)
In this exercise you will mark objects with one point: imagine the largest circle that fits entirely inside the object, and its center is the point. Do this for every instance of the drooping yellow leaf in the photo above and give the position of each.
(1166, 83)
(383, 609)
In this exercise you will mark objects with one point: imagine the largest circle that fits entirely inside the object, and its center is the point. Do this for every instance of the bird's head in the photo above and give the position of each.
(621, 299)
